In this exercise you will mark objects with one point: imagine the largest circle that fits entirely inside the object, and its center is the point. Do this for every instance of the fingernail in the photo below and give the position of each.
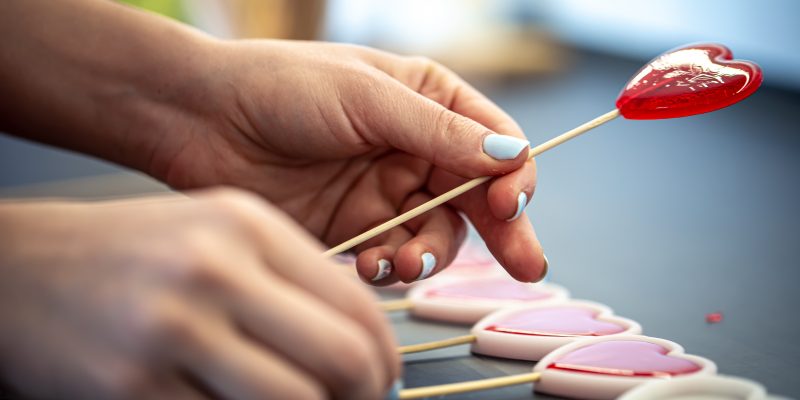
(394, 391)
(384, 269)
(522, 201)
(504, 147)
(544, 270)
(428, 263)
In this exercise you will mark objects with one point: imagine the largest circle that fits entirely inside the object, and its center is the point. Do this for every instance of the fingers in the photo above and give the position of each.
(508, 195)
(231, 367)
(377, 195)
(327, 344)
(439, 233)
(413, 123)
(513, 243)
(375, 265)
(296, 257)
(508, 234)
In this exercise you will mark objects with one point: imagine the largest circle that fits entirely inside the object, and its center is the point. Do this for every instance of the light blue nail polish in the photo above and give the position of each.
(522, 201)
(428, 263)
(394, 391)
(503, 147)
(384, 269)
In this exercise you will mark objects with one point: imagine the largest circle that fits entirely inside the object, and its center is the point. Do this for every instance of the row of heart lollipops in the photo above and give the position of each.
(583, 350)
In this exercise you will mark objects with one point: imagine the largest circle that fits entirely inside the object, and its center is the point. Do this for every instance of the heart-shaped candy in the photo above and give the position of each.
(606, 367)
(689, 80)
(715, 387)
(467, 300)
(530, 332)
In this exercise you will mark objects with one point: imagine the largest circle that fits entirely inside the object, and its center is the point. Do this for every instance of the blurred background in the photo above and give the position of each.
(664, 220)
(493, 44)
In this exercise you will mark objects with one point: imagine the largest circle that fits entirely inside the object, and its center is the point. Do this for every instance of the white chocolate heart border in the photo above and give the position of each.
(534, 347)
(720, 385)
(599, 386)
(468, 311)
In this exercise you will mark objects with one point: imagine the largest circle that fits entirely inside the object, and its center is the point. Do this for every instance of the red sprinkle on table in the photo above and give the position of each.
(713, 318)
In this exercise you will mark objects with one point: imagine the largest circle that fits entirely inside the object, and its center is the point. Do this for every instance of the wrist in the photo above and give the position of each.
(101, 79)
(156, 104)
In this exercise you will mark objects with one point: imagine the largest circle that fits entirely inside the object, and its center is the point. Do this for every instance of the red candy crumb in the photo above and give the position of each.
(713, 318)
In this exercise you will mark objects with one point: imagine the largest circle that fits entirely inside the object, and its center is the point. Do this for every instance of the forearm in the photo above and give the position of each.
(92, 75)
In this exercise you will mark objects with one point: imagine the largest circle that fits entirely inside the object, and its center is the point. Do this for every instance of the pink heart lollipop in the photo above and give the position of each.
(689, 80)
(606, 367)
(708, 387)
(530, 332)
(468, 300)
(595, 368)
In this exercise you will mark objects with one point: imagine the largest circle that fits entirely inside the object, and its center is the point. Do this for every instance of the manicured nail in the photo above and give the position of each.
(522, 201)
(394, 391)
(544, 270)
(504, 147)
(428, 263)
(384, 269)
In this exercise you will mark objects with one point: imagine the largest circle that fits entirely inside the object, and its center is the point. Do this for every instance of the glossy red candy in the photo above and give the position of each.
(689, 80)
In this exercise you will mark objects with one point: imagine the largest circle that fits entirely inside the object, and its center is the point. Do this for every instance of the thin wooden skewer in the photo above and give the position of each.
(472, 386)
(455, 192)
(436, 344)
(396, 305)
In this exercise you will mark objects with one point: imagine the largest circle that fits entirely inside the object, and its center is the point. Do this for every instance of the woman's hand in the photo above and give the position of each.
(173, 298)
(344, 138)
(340, 137)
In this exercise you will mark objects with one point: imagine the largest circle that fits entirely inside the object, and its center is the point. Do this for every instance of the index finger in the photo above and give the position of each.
(507, 195)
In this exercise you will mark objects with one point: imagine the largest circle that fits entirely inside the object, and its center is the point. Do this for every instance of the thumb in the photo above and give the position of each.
(411, 122)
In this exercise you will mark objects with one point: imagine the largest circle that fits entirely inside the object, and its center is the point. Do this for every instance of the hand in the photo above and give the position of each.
(175, 298)
(343, 138)
(340, 137)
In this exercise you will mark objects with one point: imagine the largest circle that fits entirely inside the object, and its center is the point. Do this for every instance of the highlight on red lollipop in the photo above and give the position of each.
(689, 80)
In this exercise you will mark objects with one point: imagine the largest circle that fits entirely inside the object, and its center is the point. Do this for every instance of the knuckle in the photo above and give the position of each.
(197, 262)
(422, 63)
(162, 324)
(229, 199)
(201, 270)
(454, 132)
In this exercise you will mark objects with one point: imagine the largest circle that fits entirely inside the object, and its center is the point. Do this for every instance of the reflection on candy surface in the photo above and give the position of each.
(625, 358)
(556, 321)
(691, 80)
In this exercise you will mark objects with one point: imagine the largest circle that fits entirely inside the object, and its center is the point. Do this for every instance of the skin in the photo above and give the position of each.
(101, 305)
(328, 140)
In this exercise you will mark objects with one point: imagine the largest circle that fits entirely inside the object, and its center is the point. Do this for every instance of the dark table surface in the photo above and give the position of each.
(664, 221)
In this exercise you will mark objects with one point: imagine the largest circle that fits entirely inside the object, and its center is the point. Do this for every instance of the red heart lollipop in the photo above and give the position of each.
(689, 80)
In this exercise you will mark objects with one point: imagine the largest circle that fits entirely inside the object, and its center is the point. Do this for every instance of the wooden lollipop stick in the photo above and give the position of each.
(472, 386)
(396, 305)
(437, 344)
(453, 193)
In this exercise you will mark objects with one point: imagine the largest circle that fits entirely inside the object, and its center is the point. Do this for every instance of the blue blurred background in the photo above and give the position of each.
(487, 41)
